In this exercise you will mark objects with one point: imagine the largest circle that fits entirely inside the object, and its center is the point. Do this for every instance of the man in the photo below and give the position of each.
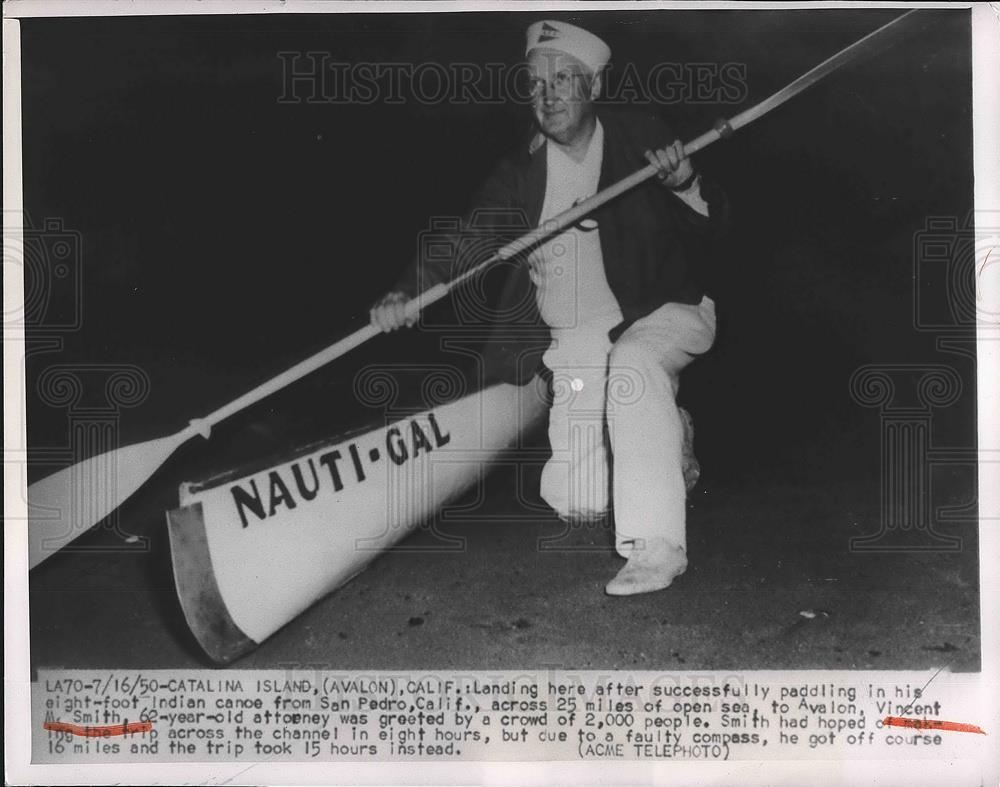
(621, 297)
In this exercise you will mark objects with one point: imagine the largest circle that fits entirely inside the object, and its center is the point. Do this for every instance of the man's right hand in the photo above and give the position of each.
(389, 312)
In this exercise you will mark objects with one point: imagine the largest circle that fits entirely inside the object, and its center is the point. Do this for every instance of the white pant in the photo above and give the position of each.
(631, 387)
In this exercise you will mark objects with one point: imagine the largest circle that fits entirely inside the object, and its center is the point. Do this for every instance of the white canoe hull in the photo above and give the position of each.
(253, 551)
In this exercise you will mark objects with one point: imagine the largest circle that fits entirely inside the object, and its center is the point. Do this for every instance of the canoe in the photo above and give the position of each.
(253, 548)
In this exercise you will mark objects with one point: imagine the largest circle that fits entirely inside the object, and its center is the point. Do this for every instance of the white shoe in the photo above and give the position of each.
(651, 568)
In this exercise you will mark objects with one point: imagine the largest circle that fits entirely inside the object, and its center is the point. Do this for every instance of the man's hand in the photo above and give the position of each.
(674, 167)
(389, 312)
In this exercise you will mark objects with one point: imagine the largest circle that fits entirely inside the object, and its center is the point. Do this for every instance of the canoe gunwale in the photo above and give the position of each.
(274, 458)
(290, 455)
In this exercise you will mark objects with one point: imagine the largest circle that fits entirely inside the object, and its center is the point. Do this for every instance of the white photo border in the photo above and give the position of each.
(986, 129)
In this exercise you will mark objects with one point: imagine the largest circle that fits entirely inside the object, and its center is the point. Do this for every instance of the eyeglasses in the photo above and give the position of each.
(561, 83)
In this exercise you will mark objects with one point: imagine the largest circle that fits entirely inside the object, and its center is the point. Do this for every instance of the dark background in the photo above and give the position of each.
(225, 235)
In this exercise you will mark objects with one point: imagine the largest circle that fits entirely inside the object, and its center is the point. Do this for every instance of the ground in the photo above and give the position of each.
(772, 584)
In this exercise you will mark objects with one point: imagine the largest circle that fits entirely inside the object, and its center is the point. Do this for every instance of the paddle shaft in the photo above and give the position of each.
(551, 227)
(60, 492)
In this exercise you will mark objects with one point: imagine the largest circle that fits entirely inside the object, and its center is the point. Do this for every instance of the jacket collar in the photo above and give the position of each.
(536, 142)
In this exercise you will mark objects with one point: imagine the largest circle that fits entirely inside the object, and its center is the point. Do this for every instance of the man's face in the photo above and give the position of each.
(562, 93)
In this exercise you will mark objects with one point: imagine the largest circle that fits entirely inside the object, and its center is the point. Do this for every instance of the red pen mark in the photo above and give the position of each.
(931, 724)
(129, 728)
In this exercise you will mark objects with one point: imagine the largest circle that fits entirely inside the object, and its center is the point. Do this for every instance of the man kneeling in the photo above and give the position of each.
(622, 295)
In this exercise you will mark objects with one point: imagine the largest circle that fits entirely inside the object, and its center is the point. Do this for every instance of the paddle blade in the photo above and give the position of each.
(68, 503)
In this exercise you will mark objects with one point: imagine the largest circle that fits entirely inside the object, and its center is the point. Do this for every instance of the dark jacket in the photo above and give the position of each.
(656, 249)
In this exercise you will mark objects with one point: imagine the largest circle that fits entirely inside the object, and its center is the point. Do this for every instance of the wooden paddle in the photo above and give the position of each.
(108, 479)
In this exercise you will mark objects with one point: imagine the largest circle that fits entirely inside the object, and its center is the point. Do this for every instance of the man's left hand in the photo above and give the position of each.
(674, 167)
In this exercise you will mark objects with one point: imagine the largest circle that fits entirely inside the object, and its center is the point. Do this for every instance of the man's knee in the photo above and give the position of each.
(635, 367)
(575, 494)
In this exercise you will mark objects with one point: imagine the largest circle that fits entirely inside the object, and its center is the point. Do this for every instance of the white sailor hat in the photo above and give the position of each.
(573, 40)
